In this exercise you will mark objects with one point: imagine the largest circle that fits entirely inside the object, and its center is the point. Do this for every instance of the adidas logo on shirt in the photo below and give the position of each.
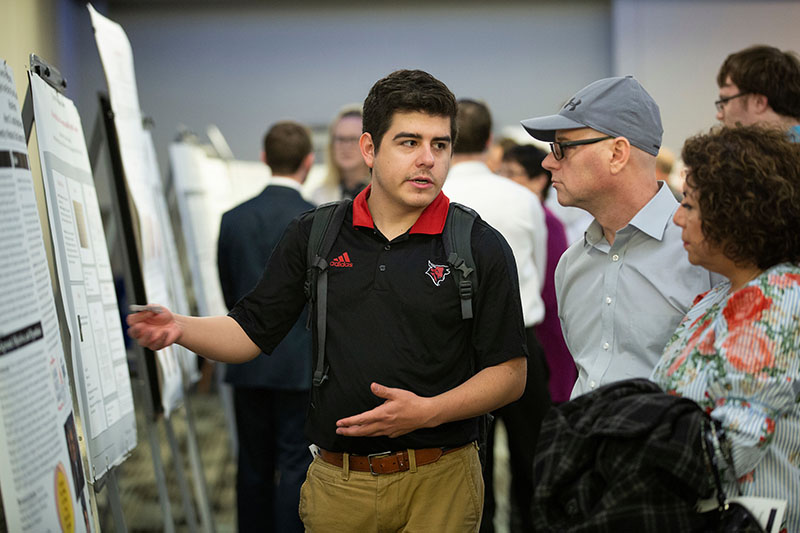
(342, 261)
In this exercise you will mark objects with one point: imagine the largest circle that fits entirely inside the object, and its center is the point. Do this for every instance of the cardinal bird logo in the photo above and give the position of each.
(437, 273)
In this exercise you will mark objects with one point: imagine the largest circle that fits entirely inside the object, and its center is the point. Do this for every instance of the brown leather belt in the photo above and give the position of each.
(386, 462)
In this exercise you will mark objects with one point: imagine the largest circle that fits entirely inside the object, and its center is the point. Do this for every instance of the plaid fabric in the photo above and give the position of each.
(626, 457)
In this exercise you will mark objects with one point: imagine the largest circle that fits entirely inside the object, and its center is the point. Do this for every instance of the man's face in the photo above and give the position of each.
(735, 110)
(578, 176)
(410, 167)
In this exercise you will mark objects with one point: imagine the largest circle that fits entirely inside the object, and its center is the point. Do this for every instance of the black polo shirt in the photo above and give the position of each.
(394, 318)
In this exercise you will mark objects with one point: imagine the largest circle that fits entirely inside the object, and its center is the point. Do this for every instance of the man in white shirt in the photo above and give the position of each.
(624, 287)
(518, 215)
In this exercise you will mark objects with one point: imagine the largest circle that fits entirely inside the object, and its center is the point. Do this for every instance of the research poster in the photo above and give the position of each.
(158, 252)
(206, 187)
(42, 478)
(85, 280)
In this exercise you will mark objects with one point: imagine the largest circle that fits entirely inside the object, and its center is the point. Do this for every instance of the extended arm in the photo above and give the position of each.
(219, 337)
(404, 411)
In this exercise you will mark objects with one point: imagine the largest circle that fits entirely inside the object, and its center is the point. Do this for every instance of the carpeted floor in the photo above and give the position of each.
(137, 486)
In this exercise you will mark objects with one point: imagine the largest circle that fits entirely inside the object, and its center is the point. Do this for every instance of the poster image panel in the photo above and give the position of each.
(42, 477)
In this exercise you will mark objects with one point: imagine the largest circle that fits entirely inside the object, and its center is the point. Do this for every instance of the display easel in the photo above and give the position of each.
(53, 77)
(105, 131)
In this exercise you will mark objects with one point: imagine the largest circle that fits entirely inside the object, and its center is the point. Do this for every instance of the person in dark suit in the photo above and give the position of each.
(271, 393)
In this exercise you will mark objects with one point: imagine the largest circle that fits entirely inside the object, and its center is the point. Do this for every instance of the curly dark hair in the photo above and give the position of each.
(407, 90)
(747, 180)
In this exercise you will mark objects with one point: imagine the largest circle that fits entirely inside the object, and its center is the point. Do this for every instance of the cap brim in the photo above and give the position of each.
(544, 128)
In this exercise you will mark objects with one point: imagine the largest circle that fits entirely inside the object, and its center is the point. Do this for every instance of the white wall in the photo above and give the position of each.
(243, 65)
(675, 49)
(246, 68)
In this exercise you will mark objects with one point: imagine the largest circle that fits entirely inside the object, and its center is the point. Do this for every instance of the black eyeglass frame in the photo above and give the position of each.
(558, 154)
(720, 104)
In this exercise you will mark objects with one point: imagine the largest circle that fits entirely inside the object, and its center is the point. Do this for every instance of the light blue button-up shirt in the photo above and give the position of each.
(619, 304)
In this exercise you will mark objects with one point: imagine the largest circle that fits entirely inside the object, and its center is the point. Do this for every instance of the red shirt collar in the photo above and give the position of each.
(430, 222)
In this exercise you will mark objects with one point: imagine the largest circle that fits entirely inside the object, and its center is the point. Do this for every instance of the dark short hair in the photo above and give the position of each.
(474, 127)
(748, 187)
(766, 70)
(406, 91)
(530, 158)
(286, 144)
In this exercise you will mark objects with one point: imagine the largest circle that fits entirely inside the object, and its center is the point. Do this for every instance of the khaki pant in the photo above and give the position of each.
(445, 496)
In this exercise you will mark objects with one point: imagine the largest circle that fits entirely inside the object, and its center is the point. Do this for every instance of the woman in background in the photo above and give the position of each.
(346, 173)
(737, 351)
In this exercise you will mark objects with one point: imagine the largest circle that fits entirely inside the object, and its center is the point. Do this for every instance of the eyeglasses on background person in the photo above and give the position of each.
(720, 104)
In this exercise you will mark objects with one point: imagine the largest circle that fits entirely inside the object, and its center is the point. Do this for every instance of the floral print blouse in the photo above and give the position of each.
(738, 356)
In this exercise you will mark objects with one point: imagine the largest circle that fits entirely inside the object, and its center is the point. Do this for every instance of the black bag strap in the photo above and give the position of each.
(731, 516)
(328, 220)
(714, 440)
(457, 239)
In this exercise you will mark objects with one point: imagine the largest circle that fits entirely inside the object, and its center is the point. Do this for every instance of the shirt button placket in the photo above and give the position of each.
(603, 360)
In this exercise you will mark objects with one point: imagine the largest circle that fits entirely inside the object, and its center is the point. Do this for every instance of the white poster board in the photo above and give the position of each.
(163, 280)
(41, 469)
(85, 280)
(205, 188)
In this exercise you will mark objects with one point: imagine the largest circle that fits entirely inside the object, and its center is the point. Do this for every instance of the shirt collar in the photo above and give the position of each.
(430, 222)
(284, 182)
(652, 219)
(467, 168)
(656, 215)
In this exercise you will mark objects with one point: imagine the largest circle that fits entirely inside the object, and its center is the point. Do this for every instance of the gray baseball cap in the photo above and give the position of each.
(614, 106)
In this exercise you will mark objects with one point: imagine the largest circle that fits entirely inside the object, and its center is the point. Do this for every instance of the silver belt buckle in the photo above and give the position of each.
(378, 455)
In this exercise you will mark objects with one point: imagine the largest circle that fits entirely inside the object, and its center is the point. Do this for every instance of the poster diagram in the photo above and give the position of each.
(42, 476)
(86, 283)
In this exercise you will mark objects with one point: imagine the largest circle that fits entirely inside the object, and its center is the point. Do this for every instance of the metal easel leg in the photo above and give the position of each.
(198, 474)
(183, 486)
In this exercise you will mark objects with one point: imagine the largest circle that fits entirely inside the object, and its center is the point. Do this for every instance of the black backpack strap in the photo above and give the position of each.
(325, 228)
(457, 239)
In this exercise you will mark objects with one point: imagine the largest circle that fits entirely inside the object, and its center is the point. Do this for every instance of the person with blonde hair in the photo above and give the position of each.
(346, 173)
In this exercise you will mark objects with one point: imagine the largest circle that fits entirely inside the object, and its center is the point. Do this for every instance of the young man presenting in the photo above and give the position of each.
(402, 394)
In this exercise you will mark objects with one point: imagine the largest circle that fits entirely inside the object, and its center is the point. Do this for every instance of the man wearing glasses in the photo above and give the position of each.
(624, 287)
(760, 85)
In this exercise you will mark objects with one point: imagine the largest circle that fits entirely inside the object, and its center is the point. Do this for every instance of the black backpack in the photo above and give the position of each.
(457, 241)
(328, 218)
